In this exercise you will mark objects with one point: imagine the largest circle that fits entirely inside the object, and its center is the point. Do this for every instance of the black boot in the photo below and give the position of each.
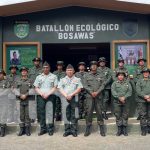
(88, 130)
(28, 132)
(139, 117)
(119, 132)
(58, 117)
(125, 131)
(105, 115)
(50, 129)
(143, 130)
(3, 130)
(22, 131)
(42, 132)
(102, 130)
(148, 129)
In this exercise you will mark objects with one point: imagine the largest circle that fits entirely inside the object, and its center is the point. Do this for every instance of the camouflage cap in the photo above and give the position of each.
(143, 59)
(120, 60)
(60, 63)
(13, 66)
(93, 63)
(102, 59)
(121, 72)
(2, 72)
(23, 68)
(145, 70)
(81, 63)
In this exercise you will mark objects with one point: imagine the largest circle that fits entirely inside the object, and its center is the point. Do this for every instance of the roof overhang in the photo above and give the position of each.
(41, 5)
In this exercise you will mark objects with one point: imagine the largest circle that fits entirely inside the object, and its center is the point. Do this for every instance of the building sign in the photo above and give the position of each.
(76, 31)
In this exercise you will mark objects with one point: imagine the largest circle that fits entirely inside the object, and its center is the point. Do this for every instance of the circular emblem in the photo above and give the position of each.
(21, 30)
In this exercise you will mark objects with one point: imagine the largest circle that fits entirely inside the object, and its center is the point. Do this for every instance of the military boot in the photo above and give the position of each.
(148, 129)
(102, 130)
(88, 130)
(119, 132)
(125, 131)
(22, 131)
(105, 115)
(3, 131)
(143, 130)
(27, 130)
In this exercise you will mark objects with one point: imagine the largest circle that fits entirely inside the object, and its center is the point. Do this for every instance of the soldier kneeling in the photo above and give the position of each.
(121, 91)
(143, 93)
(23, 85)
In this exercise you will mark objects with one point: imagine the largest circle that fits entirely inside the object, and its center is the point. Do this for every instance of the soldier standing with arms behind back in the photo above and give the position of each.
(94, 85)
(106, 72)
(82, 94)
(60, 74)
(143, 100)
(121, 91)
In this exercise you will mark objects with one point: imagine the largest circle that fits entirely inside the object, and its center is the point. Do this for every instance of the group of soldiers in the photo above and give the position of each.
(69, 96)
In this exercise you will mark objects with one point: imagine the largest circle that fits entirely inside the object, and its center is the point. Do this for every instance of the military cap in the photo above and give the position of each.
(24, 68)
(120, 60)
(141, 59)
(60, 63)
(46, 64)
(69, 66)
(102, 59)
(36, 59)
(93, 63)
(81, 63)
(121, 72)
(2, 72)
(145, 70)
(13, 66)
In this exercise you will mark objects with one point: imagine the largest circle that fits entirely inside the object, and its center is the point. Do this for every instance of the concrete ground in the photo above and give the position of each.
(58, 142)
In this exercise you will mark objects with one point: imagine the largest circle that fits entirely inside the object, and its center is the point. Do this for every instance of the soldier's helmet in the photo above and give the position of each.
(143, 59)
(46, 64)
(121, 72)
(69, 66)
(102, 59)
(2, 72)
(82, 63)
(23, 68)
(37, 59)
(145, 70)
(13, 66)
(120, 60)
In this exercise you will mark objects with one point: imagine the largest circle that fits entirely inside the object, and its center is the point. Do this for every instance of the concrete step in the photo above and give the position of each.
(110, 126)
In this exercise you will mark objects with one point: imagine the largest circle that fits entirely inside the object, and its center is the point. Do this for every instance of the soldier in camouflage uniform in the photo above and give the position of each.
(138, 75)
(143, 93)
(121, 91)
(33, 73)
(82, 94)
(120, 67)
(69, 87)
(94, 86)
(23, 85)
(12, 78)
(106, 72)
(60, 74)
(4, 90)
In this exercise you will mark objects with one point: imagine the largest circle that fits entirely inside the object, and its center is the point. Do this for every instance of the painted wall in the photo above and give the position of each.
(0, 42)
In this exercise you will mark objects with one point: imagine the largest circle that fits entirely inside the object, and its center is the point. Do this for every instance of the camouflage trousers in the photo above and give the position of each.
(144, 113)
(121, 113)
(106, 97)
(91, 105)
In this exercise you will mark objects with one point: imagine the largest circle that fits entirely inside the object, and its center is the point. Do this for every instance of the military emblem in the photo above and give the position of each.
(130, 27)
(21, 29)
